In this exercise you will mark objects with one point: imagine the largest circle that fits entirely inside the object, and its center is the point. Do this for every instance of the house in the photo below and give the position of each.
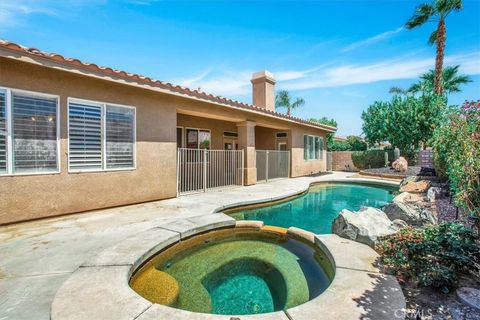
(75, 136)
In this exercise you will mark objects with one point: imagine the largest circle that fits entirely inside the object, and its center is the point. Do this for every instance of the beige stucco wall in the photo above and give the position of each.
(216, 127)
(157, 115)
(34, 196)
(301, 167)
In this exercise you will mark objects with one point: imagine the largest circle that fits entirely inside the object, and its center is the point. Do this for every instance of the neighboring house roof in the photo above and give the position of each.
(337, 138)
(75, 63)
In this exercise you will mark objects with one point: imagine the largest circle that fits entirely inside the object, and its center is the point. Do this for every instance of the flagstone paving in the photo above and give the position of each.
(38, 256)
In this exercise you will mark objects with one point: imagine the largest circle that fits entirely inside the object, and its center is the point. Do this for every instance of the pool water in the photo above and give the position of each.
(237, 272)
(316, 210)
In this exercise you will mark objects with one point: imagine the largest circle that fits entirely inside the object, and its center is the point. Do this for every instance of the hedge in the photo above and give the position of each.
(371, 158)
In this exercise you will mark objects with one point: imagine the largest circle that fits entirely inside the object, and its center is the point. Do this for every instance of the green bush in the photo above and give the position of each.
(433, 256)
(457, 155)
(369, 159)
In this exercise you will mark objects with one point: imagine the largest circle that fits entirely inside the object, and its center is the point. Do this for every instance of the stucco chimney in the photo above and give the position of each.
(263, 90)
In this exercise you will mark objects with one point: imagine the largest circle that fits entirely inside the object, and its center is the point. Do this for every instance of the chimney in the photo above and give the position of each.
(263, 90)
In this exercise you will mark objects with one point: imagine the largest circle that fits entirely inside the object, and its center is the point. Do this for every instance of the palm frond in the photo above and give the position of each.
(444, 7)
(298, 103)
(433, 38)
(422, 13)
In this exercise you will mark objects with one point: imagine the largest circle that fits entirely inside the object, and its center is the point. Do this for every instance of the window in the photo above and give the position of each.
(101, 136)
(312, 147)
(85, 136)
(198, 138)
(3, 132)
(120, 137)
(29, 141)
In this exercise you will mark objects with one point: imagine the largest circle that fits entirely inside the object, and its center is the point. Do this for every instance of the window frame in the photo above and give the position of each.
(314, 150)
(198, 140)
(103, 105)
(182, 137)
(9, 148)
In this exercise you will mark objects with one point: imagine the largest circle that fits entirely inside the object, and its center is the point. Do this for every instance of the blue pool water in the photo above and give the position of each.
(316, 210)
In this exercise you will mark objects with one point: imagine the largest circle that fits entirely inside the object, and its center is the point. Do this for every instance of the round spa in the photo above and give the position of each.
(235, 271)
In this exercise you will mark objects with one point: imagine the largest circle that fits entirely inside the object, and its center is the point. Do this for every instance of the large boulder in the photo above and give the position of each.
(420, 186)
(400, 165)
(368, 225)
(411, 208)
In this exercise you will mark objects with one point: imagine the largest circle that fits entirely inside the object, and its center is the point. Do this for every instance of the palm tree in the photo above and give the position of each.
(282, 100)
(450, 81)
(438, 10)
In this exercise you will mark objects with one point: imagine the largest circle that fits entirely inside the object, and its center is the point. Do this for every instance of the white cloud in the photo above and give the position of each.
(371, 40)
(350, 74)
(13, 12)
(228, 83)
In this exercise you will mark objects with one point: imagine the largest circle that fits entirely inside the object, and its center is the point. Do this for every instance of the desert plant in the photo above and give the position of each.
(433, 256)
(457, 155)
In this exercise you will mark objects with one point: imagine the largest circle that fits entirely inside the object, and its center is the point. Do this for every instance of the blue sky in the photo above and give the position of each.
(340, 56)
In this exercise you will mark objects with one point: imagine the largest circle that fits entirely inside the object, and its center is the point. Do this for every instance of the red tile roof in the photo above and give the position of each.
(152, 82)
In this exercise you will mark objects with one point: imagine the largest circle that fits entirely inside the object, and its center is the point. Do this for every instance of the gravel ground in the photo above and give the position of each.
(412, 171)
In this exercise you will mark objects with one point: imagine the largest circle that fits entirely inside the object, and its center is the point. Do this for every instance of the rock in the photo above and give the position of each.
(469, 296)
(409, 179)
(399, 224)
(368, 225)
(416, 187)
(434, 193)
(400, 165)
(411, 208)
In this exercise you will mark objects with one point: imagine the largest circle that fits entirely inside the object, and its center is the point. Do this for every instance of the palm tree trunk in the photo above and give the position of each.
(289, 109)
(441, 38)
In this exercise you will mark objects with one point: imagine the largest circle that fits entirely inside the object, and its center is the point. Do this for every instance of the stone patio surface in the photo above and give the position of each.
(37, 257)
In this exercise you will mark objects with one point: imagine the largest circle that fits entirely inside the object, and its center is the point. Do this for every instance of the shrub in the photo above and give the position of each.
(368, 159)
(433, 256)
(457, 155)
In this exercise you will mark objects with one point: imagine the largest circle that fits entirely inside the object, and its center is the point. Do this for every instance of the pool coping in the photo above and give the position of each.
(99, 287)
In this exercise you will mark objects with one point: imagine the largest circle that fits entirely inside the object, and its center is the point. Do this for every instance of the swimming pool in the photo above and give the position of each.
(316, 209)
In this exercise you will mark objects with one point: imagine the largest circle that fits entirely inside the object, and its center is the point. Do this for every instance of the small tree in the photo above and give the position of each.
(407, 122)
(283, 100)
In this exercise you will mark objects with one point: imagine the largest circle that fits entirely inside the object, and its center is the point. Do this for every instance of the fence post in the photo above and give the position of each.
(178, 171)
(266, 166)
(204, 170)
(243, 168)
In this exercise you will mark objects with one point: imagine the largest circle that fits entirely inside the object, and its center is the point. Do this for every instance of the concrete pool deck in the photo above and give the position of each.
(37, 257)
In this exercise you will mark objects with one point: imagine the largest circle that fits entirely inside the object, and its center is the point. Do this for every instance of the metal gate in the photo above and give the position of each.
(272, 164)
(199, 170)
(329, 161)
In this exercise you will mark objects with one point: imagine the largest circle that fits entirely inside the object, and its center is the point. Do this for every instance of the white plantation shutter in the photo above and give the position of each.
(3, 132)
(120, 135)
(34, 133)
(85, 136)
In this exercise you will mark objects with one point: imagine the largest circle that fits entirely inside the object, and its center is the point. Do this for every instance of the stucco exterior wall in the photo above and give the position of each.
(157, 116)
(300, 166)
(34, 196)
(216, 127)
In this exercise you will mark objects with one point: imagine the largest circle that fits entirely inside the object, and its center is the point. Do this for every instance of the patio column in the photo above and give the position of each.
(246, 141)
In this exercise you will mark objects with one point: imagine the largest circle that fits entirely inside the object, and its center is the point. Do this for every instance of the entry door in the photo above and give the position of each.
(282, 146)
(230, 144)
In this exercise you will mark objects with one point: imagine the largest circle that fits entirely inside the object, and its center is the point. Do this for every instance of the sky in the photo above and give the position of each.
(339, 56)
